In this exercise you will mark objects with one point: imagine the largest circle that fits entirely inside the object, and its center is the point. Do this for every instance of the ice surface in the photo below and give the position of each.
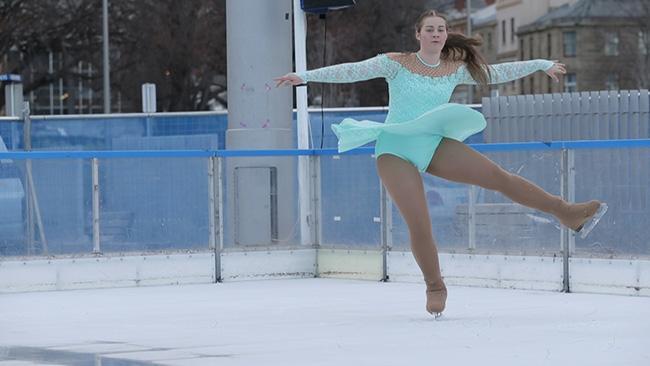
(325, 322)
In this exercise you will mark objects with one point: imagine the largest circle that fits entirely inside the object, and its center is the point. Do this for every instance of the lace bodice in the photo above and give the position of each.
(415, 88)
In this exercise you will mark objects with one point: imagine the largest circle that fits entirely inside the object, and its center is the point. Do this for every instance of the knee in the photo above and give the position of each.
(420, 232)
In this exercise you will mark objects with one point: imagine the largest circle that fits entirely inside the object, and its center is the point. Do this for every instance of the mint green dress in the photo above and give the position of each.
(419, 112)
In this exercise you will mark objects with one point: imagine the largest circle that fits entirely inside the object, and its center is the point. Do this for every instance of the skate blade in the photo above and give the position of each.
(589, 226)
(437, 316)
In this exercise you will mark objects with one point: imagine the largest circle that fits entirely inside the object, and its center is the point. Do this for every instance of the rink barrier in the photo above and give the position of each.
(384, 264)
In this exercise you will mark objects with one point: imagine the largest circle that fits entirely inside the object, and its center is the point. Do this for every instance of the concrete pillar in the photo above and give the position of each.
(260, 191)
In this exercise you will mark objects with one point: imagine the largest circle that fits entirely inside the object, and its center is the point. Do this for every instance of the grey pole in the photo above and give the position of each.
(107, 71)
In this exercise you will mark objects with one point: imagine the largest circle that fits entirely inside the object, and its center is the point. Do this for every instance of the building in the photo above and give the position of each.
(604, 44)
(497, 24)
(511, 15)
(483, 25)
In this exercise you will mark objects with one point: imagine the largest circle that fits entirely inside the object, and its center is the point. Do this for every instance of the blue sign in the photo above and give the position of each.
(10, 77)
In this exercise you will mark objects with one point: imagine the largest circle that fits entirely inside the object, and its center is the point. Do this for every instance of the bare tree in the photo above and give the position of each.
(30, 30)
(369, 28)
(179, 46)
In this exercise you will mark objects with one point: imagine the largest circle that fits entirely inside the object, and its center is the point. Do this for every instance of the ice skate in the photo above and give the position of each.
(583, 217)
(591, 223)
(436, 300)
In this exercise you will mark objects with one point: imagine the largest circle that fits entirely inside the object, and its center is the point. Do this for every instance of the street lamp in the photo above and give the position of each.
(107, 77)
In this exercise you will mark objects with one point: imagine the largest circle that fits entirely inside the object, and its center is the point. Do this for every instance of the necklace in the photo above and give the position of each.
(424, 62)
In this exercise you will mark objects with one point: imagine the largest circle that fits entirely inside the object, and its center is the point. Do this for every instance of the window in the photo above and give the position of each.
(503, 32)
(644, 42)
(512, 30)
(570, 83)
(612, 82)
(549, 47)
(489, 40)
(611, 44)
(569, 41)
(530, 47)
(521, 49)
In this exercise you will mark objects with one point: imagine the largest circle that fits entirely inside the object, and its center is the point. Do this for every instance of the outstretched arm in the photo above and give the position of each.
(509, 71)
(377, 67)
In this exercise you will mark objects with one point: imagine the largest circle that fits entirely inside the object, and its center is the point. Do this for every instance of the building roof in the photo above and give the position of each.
(480, 17)
(484, 16)
(589, 10)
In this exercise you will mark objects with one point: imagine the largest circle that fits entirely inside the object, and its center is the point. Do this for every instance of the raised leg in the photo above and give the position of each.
(458, 162)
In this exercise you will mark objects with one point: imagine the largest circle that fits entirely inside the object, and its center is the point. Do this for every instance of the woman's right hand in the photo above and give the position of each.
(288, 79)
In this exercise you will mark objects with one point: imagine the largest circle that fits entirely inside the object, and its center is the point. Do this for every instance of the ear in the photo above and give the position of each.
(417, 35)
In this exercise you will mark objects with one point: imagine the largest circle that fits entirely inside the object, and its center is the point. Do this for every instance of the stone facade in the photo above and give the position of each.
(609, 54)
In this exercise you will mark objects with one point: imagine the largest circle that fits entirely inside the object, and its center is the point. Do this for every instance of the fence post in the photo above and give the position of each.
(471, 217)
(314, 218)
(315, 188)
(217, 213)
(212, 203)
(95, 178)
(386, 222)
(567, 238)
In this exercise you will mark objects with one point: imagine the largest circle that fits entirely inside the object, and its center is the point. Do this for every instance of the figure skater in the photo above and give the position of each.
(423, 132)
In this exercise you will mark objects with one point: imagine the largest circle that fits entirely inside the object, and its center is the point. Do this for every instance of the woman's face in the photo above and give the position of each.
(433, 34)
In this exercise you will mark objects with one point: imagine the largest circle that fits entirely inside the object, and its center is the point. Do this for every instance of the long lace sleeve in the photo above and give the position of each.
(507, 71)
(380, 66)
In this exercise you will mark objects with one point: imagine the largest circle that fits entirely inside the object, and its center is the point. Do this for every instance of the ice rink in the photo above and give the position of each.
(320, 322)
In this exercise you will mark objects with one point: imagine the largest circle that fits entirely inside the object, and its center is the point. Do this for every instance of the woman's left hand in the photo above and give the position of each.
(556, 70)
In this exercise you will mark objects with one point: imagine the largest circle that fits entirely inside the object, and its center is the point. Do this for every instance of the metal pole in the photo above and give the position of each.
(468, 3)
(300, 44)
(80, 88)
(219, 200)
(471, 217)
(315, 218)
(564, 232)
(95, 177)
(212, 241)
(33, 209)
(107, 80)
(27, 145)
(51, 72)
(384, 206)
(571, 194)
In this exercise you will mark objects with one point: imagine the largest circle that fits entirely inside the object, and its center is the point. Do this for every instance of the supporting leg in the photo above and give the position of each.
(404, 184)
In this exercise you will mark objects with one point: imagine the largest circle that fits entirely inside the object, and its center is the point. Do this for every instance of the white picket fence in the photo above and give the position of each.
(597, 115)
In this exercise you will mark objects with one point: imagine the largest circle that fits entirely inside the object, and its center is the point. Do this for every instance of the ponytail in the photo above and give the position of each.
(462, 48)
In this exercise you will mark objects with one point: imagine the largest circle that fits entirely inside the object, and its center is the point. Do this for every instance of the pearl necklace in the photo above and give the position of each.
(424, 62)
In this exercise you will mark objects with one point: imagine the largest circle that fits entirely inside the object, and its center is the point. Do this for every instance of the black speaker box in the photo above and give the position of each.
(323, 6)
